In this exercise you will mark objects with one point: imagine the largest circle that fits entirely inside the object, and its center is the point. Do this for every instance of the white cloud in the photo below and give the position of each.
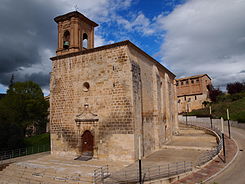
(98, 10)
(138, 23)
(3, 88)
(98, 40)
(205, 37)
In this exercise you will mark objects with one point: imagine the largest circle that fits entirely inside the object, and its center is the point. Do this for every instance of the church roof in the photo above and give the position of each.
(75, 14)
(122, 43)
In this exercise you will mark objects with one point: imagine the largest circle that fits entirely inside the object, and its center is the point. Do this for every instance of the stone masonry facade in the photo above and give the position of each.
(192, 92)
(117, 93)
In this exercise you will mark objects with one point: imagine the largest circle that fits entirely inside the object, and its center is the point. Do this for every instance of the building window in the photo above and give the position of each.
(192, 81)
(177, 83)
(197, 80)
(86, 86)
(179, 101)
(182, 82)
(187, 82)
(189, 99)
(185, 98)
(195, 97)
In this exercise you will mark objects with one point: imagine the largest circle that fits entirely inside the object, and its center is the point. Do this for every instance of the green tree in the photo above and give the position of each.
(214, 93)
(24, 105)
(235, 87)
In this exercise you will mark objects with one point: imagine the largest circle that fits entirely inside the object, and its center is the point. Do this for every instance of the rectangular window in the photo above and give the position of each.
(195, 97)
(192, 81)
(197, 80)
(182, 82)
(187, 82)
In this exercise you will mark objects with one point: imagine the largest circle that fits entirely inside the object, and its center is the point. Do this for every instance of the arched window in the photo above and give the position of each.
(85, 40)
(66, 38)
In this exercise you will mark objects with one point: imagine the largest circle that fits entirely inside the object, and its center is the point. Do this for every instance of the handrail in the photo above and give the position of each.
(9, 154)
(163, 171)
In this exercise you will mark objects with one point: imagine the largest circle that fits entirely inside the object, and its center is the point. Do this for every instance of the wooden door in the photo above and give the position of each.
(87, 141)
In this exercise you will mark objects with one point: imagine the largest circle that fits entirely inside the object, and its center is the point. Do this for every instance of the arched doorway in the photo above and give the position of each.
(87, 142)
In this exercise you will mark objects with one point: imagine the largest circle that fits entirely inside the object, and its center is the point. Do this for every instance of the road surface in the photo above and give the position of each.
(235, 173)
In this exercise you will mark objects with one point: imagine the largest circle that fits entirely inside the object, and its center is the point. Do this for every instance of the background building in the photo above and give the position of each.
(192, 92)
(103, 99)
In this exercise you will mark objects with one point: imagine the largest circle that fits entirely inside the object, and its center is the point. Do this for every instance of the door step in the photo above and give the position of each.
(85, 156)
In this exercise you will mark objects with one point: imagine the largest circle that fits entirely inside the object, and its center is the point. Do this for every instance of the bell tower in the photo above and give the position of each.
(75, 33)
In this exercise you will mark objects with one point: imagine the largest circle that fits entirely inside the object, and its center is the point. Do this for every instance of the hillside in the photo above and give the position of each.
(235, 103)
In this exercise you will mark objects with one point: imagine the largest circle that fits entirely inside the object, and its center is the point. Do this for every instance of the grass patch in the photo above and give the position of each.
(42, 139)
(235, 103)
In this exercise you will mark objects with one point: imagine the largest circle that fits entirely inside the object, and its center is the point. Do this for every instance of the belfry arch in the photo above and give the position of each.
(66, 38)
(85, 40)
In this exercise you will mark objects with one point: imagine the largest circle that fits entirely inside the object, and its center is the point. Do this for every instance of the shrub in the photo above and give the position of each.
(214, 93)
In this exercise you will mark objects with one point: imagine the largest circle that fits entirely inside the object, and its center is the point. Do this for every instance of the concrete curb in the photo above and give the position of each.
(226, 165)
(188, 147)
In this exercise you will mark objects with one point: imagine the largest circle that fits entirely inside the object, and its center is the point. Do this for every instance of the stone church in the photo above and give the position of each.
(104, 100)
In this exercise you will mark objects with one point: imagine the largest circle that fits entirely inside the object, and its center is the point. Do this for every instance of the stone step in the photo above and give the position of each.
(32, 180)
(8, 179)
(23, 175)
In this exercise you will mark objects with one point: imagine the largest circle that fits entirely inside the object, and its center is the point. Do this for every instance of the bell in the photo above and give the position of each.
(66, 43)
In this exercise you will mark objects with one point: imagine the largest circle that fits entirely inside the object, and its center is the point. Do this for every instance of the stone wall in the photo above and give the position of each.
(119, 94)
(192, 92)
(159, 106)
(193, 101)
(216, 122)
(108, 73)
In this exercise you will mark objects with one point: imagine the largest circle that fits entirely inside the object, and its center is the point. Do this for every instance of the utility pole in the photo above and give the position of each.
(140, 168)
(186, 113)
(223, 137)
(210, 114)
(228, 119)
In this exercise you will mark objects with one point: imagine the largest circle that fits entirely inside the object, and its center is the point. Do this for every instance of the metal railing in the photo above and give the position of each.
(100, 174)
(209, 155)
(129, 176)
(156, 172)
(9, 154)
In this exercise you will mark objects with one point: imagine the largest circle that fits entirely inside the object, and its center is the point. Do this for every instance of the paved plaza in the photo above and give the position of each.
(187, 146)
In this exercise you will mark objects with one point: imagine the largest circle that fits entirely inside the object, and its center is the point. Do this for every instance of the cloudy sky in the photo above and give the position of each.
(187, 36)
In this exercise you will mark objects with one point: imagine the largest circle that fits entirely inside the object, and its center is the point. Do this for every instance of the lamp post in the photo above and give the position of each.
(228, 119)
(140, 168)
(210, 114)
(223, 136)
